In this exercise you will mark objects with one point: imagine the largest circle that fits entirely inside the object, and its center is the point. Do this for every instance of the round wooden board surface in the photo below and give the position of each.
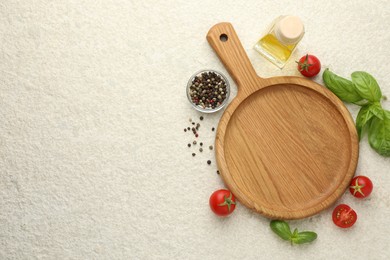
(286, 146)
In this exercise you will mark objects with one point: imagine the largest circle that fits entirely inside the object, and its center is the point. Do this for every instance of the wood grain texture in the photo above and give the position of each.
(286, 146)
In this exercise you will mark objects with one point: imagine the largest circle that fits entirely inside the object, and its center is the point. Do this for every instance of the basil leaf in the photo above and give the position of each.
(304, 237)
(379, 134)
(366, 86)
(361, 102)
(341, 87)
(365, 115)
(377, 110)
(281, 228)
(362, 118)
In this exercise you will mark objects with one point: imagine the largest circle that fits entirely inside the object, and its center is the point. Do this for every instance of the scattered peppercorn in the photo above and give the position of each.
(194, 128)
(208, 90)
(212, 129)
(217, 172)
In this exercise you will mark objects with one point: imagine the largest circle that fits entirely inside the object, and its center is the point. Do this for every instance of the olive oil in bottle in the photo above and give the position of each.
(281, 40)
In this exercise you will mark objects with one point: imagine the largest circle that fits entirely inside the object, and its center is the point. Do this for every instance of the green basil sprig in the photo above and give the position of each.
(282, 229)
(364, 91)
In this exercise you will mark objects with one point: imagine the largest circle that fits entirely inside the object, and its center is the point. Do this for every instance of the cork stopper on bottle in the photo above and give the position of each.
(289, 30)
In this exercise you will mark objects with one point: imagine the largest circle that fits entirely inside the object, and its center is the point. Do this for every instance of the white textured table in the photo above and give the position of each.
(94, 162)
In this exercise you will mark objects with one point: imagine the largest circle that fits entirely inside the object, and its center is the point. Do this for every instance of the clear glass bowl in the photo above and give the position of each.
(208, 110)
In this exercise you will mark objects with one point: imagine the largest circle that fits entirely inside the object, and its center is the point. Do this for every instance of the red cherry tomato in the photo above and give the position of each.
(222, 202)
(361, 187)
(343, 216)
(309, 65)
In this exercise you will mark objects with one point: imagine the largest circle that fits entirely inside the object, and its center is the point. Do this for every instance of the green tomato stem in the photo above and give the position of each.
(227, 202)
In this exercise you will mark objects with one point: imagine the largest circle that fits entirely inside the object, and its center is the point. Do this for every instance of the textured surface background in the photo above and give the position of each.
(94, 162)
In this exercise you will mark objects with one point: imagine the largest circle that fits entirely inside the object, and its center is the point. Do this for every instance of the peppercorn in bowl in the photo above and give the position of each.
(208, 91)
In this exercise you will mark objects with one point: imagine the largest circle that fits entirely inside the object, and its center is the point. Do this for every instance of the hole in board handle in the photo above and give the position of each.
(223, 37)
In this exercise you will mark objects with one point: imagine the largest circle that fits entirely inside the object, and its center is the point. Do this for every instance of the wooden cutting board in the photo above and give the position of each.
(286, 146)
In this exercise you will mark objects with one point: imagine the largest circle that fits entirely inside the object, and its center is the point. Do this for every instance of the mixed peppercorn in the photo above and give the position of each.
(208, 90)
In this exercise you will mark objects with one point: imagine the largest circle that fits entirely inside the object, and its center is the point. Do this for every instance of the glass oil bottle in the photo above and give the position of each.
(280, 41)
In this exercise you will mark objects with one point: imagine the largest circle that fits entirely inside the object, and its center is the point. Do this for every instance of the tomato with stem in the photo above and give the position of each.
(361, 187)
(222, 202)
(309, 65)
(344, 216)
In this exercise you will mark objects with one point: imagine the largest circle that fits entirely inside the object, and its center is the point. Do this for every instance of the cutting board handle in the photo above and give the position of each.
(224, 40)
